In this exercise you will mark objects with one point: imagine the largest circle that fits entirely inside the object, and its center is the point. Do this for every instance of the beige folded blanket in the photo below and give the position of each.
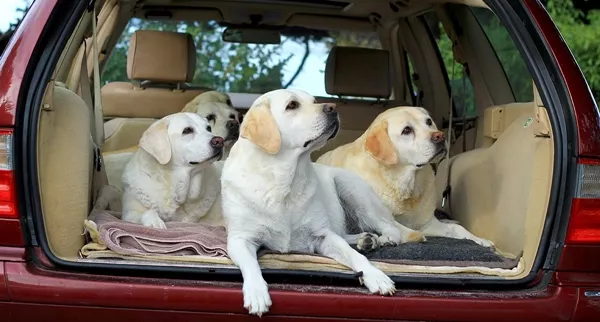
(178, 239)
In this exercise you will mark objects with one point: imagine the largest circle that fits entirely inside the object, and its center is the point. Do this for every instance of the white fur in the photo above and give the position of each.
(285, 202)
(160, 182)
(217, 109)
(211, 102)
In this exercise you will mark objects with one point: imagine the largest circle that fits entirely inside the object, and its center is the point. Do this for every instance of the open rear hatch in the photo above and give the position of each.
(501, 184)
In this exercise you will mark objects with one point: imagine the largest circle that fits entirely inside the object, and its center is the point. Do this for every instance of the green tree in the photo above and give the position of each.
(229, 67)
(581, 32)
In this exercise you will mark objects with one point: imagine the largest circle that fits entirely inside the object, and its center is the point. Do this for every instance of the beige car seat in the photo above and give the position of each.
(159, 64)
(360, 73)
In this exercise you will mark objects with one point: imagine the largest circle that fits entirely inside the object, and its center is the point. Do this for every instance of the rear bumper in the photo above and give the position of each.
(68, 295)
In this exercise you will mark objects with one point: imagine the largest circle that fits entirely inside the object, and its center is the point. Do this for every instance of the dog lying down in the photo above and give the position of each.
(274, 196)
(173, 176)
(393, 156)
(217, 109)
(215, 106)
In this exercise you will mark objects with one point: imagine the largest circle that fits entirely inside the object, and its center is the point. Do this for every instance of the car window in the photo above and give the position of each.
(298, 62)
(511, 60)
(461, 87)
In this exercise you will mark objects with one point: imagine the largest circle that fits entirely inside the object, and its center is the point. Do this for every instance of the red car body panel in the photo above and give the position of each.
(13, 65)
(586, 112)
(30, 292)
(29, 284)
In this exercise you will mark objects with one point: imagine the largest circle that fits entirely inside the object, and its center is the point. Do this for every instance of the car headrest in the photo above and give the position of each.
(161, 56)
(361, 72)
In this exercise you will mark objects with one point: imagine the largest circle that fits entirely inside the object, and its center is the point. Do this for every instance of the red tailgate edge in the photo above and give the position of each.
(32, 285)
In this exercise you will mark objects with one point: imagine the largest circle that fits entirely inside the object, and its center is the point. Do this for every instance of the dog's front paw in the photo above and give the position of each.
(415, 236)
(377, 282)
(482, 241)
(400, 234)
(368, 242)
(151, 219)
(387, 241)
(157, 223)
(256, 297)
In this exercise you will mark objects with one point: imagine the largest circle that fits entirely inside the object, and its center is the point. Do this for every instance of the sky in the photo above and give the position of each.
(311, 79)
(8, 12)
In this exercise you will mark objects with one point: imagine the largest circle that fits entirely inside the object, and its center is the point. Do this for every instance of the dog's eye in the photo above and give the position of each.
(429, 122)
(209, 128)
(229, 103)
(187, 130)
(210, 117)
(407, 130)
(292, 105)
(232, 117)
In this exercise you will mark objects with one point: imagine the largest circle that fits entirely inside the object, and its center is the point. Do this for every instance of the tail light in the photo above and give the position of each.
(11, 233)
(582, 244)
(584, 223)
(8, 200)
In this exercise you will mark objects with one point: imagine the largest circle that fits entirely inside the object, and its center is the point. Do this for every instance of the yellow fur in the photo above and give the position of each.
(260, 128)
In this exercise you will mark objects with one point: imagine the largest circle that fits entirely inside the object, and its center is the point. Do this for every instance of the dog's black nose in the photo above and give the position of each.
(217, 142)
(329, 108)
(231, 124)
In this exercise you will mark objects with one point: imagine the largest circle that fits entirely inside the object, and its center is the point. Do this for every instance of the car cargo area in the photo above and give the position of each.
(496, 182)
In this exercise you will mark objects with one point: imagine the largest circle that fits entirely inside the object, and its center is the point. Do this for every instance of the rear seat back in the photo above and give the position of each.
(159, 64)
(501, 191)
(356, 72)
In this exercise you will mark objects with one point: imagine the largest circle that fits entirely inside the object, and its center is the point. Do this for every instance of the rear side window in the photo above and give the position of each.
(298, 62)
(513, 64)
(463, 94)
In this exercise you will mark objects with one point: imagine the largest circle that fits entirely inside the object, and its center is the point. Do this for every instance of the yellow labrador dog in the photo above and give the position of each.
(393, 156)
(274, 196)
(214, 106)
(217, 109)
(173, 177)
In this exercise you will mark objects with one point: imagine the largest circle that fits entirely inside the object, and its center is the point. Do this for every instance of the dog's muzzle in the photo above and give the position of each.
(331, 130)
(334, 127)
(233, 131)
(439, 154)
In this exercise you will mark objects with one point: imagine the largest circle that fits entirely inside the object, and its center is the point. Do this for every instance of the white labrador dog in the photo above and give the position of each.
(394, 157)
(274, 196)
(173, 176)
(224, 119)
(214, 106)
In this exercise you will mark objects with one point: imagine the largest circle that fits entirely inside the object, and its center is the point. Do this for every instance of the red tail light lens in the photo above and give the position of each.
(8, 200)
(584, 223)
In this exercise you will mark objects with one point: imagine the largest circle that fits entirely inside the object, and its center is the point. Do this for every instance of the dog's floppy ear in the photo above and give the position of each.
(379, 145)
(190, 107)
(156, 141)
(259, 127)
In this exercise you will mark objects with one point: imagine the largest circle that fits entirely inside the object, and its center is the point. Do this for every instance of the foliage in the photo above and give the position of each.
(258, 68)
(229, 67)
(582, 33)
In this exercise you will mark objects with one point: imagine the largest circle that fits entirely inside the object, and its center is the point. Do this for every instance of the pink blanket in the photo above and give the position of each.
(178, 239)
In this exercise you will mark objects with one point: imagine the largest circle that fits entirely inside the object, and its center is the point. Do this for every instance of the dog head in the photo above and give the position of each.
(405, 136)
(210, 96)
(224, 120)
(183, 139)
(217, 109)
(289, 120)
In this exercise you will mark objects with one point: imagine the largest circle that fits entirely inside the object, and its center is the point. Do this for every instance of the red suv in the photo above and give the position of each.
(496, 75)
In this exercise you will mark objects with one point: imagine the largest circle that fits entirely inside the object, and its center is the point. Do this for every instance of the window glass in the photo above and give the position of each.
(461, 87)
(512, 62)
(298, 62)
